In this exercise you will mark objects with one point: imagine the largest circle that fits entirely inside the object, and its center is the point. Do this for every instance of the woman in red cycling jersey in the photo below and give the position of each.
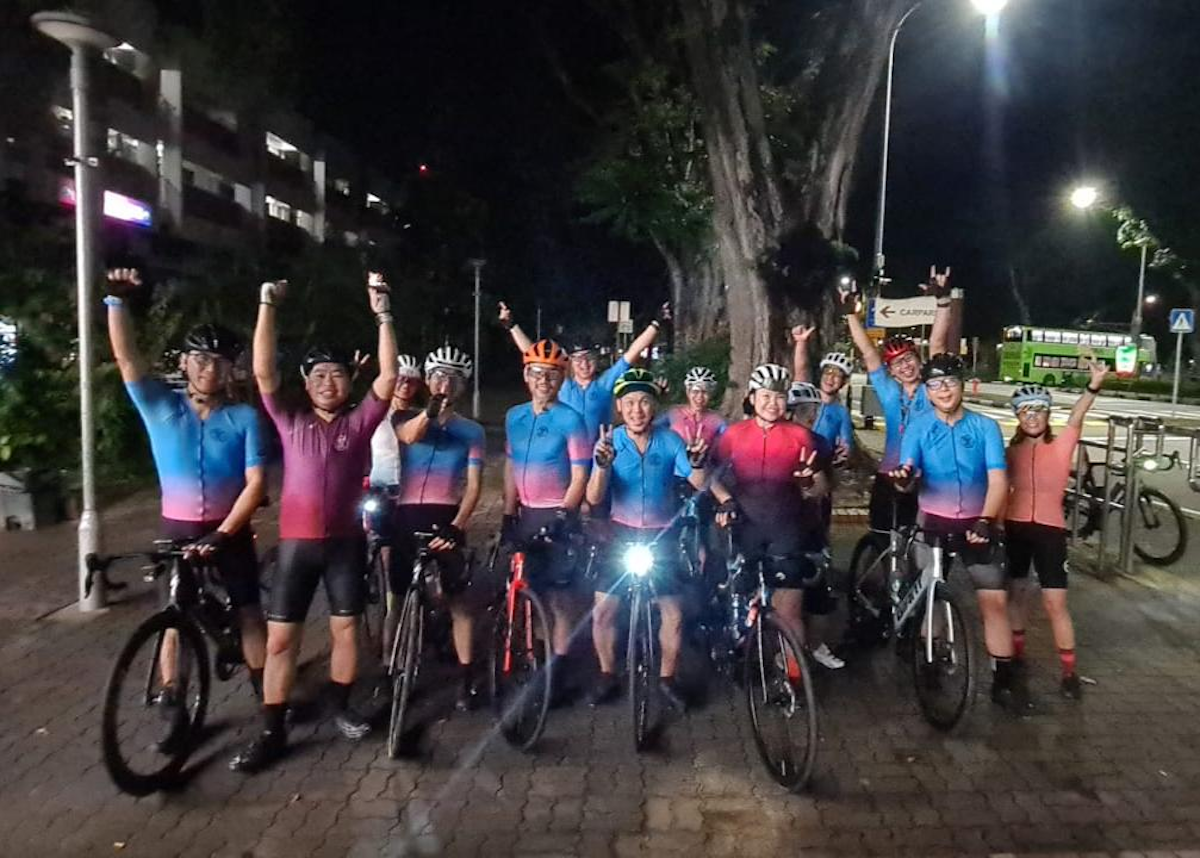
(1039, 465)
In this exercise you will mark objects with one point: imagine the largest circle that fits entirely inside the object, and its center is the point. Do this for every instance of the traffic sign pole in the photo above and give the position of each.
(1183, 321)
(1178, 361)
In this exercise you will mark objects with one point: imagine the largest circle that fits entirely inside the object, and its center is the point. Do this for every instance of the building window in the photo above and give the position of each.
(285, 151)
(342, 186)
(243, 196)
(64, 120)
(121, 145)
(304, 220)
(278, 209)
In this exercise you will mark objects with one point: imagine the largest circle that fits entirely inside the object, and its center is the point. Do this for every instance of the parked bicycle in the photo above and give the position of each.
(157, 693)
(404, 662)
(642, 655)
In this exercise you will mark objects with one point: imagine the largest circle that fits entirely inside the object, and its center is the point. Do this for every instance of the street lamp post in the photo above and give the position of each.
(1136, 327)
(477, 264)
(1085, 197)
(78, 34)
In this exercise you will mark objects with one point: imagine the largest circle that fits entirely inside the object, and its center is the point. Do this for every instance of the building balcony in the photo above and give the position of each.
(198, 203)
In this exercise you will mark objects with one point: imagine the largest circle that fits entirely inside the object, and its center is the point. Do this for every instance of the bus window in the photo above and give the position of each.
(1015, 334)
(1054, 336)
(1037, 336)
(1115, 341)
(1070, 337)
(1096, 340)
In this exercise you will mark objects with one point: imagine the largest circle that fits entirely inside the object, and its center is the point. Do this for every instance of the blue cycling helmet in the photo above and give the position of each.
(1031, 395)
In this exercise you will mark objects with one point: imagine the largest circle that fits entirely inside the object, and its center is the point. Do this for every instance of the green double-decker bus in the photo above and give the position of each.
(1054, 356)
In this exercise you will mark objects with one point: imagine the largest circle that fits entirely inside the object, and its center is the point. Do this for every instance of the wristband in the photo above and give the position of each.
(508, 325)
(114, 301)
(1094, 391)
(654, 323)
(956, 293)
(266, 294)
(383, 318)
(266, 303)
(943, 302)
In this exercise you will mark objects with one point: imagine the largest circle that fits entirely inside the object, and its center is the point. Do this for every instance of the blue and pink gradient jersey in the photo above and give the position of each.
(954, 462)
(642, 485)
(899, 409)
(709, 425)
(594, 402)
(757, 465)
(434, 469)
(201, 463)
(323, 467)
(542, 448)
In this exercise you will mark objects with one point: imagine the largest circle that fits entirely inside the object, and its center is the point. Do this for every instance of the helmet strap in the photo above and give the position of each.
(207, 400)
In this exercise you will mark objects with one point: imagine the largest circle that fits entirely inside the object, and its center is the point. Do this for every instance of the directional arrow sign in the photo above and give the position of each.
(905, 312)
(1183, 321)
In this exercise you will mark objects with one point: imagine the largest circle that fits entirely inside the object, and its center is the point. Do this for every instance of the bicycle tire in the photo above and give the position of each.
(780, 693)
(866, 626)
(962, 666)
(375, 612)
(1179, 547)
(640, 663)
(521, 692)
(116, 757)
(403, 668)
(689, 549)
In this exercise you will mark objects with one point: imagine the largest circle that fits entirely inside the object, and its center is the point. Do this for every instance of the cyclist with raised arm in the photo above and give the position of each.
(588, 392)
(1039, 467)
(545, 475)
(636, 467)
(772, 479)
(209, 456)
(832, 421)
(441, 475)
(326, 451)
(956, 457)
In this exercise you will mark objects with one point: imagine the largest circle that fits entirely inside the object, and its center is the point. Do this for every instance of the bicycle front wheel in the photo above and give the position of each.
(146, 737)
(943, 666)
(375, 611)
(1159, 528)
(779, 698)
(642, 664)
(867, 598)
(521, 675)
(402, 668)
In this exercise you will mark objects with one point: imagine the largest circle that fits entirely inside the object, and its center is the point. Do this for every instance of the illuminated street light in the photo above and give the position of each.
(1084, 196)
(1151, 299)
(989, 7)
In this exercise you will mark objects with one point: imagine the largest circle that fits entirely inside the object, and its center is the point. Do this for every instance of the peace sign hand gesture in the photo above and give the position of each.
(806, 471)
(939, 284)
(697, 450)
(604, 451)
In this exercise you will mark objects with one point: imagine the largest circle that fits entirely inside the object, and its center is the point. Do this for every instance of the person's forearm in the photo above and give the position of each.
(644, 340)
(574, 495)
(385, 382)
(510, 489)
(124, 343)
(247, 502)
(800, 361)
(862, 342)
(266, 374)
(697, 479)
(520, 338)
(597, 485)
(938, 340)
(719, 491)
(470, 498)
(1082, 406)
(413, 430)
(997, 495)
(954, 334)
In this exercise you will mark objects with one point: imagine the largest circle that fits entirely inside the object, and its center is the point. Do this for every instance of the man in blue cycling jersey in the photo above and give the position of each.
(636, 467)
(896, 376)
(209, 455)
(585, 391)
(957, 458)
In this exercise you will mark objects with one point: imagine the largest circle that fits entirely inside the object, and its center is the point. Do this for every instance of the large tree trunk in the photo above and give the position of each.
(697, 295)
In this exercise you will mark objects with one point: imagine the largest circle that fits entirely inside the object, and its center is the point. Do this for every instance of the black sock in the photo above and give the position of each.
(273, 717)
(466, 671)
(339, 693)
(1002, 674)
(256, 680)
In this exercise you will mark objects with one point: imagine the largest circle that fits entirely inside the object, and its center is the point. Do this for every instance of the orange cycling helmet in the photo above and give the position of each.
(545, 353)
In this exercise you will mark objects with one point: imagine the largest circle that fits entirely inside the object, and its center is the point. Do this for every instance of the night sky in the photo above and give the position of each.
(988, 135)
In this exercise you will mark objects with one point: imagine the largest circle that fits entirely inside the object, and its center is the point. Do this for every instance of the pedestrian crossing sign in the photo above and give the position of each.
(1183, 320)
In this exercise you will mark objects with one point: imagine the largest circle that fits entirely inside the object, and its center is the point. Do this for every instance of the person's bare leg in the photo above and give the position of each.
(670, 633)
(343, 659)
(283, 651)
(604, 631)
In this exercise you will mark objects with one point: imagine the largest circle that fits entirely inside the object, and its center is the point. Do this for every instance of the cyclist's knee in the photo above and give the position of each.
(282, 638)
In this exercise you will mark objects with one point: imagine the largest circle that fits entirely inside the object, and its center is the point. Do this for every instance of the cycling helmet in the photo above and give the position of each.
(802, 393)
(1030, 394)
(324, 354)
(581, 347)
(545, 353)
(213, 339)
(636, 381)
(944, 365)
(839, 360)
(700, 376)
(451, 359)
(769, 376)
(897, 345)
(408, 366)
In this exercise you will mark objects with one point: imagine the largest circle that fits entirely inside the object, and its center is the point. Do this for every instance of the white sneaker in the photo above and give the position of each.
(824, 657)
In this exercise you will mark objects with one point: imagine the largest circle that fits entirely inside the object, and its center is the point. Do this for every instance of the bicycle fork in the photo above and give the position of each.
(510, 610)
(936, 577)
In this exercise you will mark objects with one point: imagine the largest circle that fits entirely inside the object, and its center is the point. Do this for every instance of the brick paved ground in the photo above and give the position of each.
(1118, 772)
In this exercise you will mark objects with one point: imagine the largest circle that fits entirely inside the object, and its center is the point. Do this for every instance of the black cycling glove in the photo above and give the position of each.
(435, 405)
(982, 528)
(452, 534)
(210, 543)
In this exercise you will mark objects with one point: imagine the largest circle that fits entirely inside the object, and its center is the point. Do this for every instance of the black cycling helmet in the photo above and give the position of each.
(579, 346)
(213, 339)
(324, 354)
(944, 365)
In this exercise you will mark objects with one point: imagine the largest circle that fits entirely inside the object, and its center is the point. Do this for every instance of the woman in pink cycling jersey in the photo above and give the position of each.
(1039, 465)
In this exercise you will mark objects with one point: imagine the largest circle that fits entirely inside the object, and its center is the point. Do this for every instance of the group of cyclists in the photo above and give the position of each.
(767, 477)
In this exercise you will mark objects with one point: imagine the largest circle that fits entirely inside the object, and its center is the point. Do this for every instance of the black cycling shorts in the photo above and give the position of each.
(547, 567)
(426, 518)
(304, 563)
(784, 548)
(1041, 545)
(667, 575)
(236, 562)
(879, 508)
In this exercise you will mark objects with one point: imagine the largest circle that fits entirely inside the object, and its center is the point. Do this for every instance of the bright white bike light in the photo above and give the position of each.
(371, 505)
(639, 560)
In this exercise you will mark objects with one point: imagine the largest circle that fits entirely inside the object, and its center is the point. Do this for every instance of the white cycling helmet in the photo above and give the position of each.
(700, 376)
(1031, 394)
(408, 366)
(839, 360)
(802, 393)
(451, 359)
(769, 376)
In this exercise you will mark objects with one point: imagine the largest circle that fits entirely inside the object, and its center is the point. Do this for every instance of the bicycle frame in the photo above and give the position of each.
(516, 583)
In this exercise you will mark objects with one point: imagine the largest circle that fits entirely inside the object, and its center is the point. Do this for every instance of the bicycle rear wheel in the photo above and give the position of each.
(1159, 529)
(642, 664)
(406, 651)
(520, 672)
(375, 611)
(779, 698)
(868, 602)
(145, 744)
(943, 661)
